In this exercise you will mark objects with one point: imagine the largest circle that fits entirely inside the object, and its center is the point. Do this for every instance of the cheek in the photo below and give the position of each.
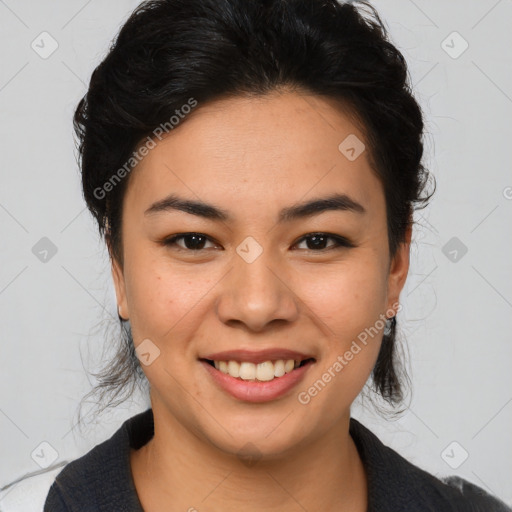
(348, 302)
(347, 297)
(162, 298)
(348, 306)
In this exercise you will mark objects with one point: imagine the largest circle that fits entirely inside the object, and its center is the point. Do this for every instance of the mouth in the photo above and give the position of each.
(265, 371)
(261, 381)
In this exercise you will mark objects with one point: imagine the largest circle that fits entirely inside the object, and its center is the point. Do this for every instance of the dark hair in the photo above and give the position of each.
(170, 51)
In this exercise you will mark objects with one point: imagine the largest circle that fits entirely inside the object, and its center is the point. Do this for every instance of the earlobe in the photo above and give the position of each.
(399, 269)
(119, 285)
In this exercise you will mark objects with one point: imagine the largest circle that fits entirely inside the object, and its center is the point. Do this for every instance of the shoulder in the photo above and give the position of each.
(101, 479)
(394, 483)
(476, 496)
(82, 479)
(28, 493)
(59, 487)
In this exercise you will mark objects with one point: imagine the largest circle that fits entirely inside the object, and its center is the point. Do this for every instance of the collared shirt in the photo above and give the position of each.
(101, 480)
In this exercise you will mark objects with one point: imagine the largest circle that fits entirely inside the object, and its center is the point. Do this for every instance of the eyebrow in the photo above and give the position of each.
(339, 202)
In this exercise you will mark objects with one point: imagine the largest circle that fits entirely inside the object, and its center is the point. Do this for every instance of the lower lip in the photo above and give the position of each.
(255, 391)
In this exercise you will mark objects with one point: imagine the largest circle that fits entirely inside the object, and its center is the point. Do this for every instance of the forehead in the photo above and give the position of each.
(257, 151)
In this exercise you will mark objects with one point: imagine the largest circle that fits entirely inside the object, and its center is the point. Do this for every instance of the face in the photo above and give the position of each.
(261, 273)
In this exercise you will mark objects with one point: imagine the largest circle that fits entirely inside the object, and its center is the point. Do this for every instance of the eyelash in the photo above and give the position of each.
(339, 241)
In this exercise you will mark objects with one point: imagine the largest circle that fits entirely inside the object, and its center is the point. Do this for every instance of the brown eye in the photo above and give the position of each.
(191, 241)
(318, 242)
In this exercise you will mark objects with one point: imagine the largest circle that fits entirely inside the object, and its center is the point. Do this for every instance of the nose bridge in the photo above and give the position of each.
(254, 292)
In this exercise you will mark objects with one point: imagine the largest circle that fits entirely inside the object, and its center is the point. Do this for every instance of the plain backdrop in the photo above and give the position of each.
(458, 298)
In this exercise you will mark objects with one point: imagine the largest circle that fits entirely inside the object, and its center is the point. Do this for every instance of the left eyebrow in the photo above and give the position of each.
(340, 202)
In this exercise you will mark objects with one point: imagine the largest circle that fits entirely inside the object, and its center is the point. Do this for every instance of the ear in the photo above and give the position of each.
(398, 270)
(119, 284)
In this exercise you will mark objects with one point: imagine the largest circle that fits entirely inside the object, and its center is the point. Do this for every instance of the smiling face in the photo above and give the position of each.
(255, 277)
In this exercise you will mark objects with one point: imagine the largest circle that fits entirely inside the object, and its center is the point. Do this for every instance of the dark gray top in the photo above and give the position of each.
(101, 480)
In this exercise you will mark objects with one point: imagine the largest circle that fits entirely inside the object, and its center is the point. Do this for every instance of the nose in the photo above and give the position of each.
(256, 294)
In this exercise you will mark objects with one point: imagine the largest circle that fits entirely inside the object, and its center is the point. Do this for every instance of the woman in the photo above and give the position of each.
(254, 167)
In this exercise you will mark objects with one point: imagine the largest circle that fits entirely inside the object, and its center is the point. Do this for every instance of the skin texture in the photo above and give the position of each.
(253, 157)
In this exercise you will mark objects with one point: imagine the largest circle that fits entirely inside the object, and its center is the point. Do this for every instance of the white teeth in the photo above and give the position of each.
(289, 365)
(247, 371)
(234, 368)
(279, 368)
(266, 371)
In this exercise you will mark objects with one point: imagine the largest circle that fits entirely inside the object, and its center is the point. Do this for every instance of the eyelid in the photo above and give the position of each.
(340, 241)
(172, 240)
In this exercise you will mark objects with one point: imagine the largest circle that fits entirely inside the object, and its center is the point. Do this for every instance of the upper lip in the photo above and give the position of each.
(259, 356)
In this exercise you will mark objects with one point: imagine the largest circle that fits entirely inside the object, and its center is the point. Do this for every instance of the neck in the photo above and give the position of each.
(178, 470)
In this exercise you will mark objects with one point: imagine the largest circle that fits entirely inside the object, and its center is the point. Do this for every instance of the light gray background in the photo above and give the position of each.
(456, 315)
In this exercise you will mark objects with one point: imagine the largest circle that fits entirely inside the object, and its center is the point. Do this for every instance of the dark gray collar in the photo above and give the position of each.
(101, 480)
